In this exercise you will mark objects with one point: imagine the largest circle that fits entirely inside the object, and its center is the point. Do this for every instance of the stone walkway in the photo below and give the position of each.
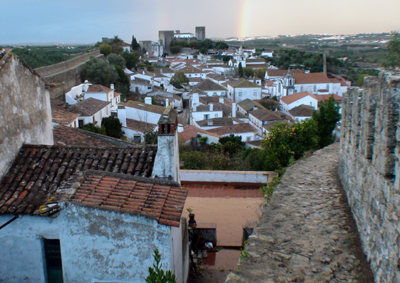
(307, 232)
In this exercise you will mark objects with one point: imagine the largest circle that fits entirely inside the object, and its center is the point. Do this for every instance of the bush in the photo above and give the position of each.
(113, 127)
(157, 274)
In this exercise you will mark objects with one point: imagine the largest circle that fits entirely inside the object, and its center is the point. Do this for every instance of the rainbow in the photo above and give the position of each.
(245, 12)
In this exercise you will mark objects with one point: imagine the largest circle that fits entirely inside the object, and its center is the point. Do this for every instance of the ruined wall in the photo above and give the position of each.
(369, 168)
(25, 110)
(66, 75)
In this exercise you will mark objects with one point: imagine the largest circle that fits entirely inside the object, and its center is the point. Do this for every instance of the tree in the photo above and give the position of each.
(221, 45)
(241, 73)
(113, 127)
(90, 127)
(157, 274)
(260, 73)
(123, 84)
(150, 137)
(116, 60)
(131, 59)
(175, 49)
(326, 119)
(117, 45)
(194, 44)
(105, 49)
(286, 142)
(392, 57)
(179, 80)
(248, 72)
(98, 71)
(134, 44)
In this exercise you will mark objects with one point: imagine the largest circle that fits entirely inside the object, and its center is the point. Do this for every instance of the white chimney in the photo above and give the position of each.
(166, 103)
(210, 122)
(180, 128)
(194, 107)
(211, 107)
(195, 99)
(221, 100)
(147, 100)
(161, 70)
(122, 115)
(234, 110)
(112, 86)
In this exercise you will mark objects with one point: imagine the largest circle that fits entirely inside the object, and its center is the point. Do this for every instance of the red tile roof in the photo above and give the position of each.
(234, 129)
(139, 125)
(192, 131)
(302, 111)
(98, 88)
(162, 202)
(311, 78)
(61, 116)
(88, 107)
(296, 96)
(38, 171)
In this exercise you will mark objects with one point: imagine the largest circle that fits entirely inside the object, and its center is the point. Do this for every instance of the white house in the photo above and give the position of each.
(242, 89)
(260, 117)
(91, 110)
(245, 130)
(300, 98)
(301, 112)
(143, 111)
(141, 87)
(315, 82)
(100, 92)
(267, 53)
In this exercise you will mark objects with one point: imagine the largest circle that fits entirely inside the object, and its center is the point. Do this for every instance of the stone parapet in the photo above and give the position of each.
(369, 168)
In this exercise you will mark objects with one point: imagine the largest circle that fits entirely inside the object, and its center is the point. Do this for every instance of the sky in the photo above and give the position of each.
(87, 21)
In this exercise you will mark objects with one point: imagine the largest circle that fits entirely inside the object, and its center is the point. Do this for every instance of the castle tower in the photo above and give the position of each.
(200, 33)
(166, 36)
(166, 164)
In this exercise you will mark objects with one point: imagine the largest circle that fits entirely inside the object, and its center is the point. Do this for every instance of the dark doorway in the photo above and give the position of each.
(52, 253)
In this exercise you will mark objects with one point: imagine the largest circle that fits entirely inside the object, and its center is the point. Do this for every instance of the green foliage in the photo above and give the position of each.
(157, 274)
(360, 80)
(92, 128)
(203, 140)
(134, 44)
(240, 70)
(123, 84)
(179, 80)
(260, 73)
(175, 49)
(243, 253)
(131, 59)
(105, 49)
(326, 119)
(252, 159)
(392, 57)
(194, 44)
(113, 127)
(231, 144)
(248, 72)
(98, 71)
(116, 60)
(221, 45)
(270, 104)
(285, 142)
(116, 45)
(150, 137)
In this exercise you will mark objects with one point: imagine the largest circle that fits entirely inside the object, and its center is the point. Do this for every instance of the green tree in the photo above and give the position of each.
(194, 44)
(116, 60)
(241, 73)
(221, 45)
(260, 73)
(248, 72)
(157, 274)
(113, 127)
(392, 57)
(175, 49)
(98, 71)
(326, 119)
(123, 84)
(105, 49)
(117, 45)
(92, 128)
(286, 142)
(134, 44)
(150, 137)
(179, 80)
(131, 59)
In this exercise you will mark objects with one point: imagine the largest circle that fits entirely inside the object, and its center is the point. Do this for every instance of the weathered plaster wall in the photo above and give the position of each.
(25, 110)
(259, 177)
(166, 164)
(180, 251)
(104, 245)
(369, 168)
(66, 74)
(21, 243)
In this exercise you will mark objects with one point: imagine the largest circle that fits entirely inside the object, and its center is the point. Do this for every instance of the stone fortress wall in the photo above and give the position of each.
(65, 75)
(369, 168)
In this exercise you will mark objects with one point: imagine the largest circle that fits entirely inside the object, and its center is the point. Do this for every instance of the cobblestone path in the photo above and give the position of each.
(307, 232)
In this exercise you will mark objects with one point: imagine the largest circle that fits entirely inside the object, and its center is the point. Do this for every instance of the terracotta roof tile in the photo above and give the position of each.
(208, 85)
(296, 96)
(88, 107)
(162, 202)
(139, 125)
(234, 129)
(98, 88)
(143, 106)
(311, 78)
(38, 171)
(62, 116)
(192, 131)
(302, 111)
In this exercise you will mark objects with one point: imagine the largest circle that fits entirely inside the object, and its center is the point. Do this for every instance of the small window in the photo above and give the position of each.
(136, 139)
(214, 93)
(206, 116)
(52, 252)
(248, 138)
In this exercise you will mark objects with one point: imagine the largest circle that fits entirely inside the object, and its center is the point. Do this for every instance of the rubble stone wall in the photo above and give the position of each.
(65, 75)
(369, 168)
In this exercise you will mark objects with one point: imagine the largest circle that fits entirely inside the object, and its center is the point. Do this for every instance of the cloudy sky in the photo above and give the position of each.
(86, 21)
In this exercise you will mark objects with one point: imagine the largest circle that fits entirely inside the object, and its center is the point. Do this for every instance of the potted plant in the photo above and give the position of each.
(192, 222)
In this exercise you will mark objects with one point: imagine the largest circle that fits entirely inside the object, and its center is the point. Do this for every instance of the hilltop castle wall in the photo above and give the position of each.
(369, 168)
(65, 75)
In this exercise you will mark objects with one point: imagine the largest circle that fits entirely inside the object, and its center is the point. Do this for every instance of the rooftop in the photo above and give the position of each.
(88, 107)
(143, 106)
(311, 78)
(208, 85)
(296, 96)
(302, 111)
(139, 126)
(98, 88)
(62, 116)
(192, 131)
(234, 129)
(242, 83)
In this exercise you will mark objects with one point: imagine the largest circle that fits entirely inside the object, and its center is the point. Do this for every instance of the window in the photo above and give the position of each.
(214, 93)
(52, 252)
(248, 138)
(216, 115)
(136, 139)
(80, 124)
(206, 116)
(240, 94)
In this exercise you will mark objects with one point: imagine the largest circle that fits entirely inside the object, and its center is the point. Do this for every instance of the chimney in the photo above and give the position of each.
(210, 122)
(180, 128)
(233, 110)
(166, 163)
(166, 103)
(112, 86)
(221, 100)
(255, 108)
(147, 100)
(211, 106)
(195, 99)
(161, 70)
(122, 115)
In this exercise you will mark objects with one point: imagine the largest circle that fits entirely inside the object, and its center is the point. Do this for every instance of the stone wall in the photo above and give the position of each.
(369, 169)
(24, 107)
(65, 75)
